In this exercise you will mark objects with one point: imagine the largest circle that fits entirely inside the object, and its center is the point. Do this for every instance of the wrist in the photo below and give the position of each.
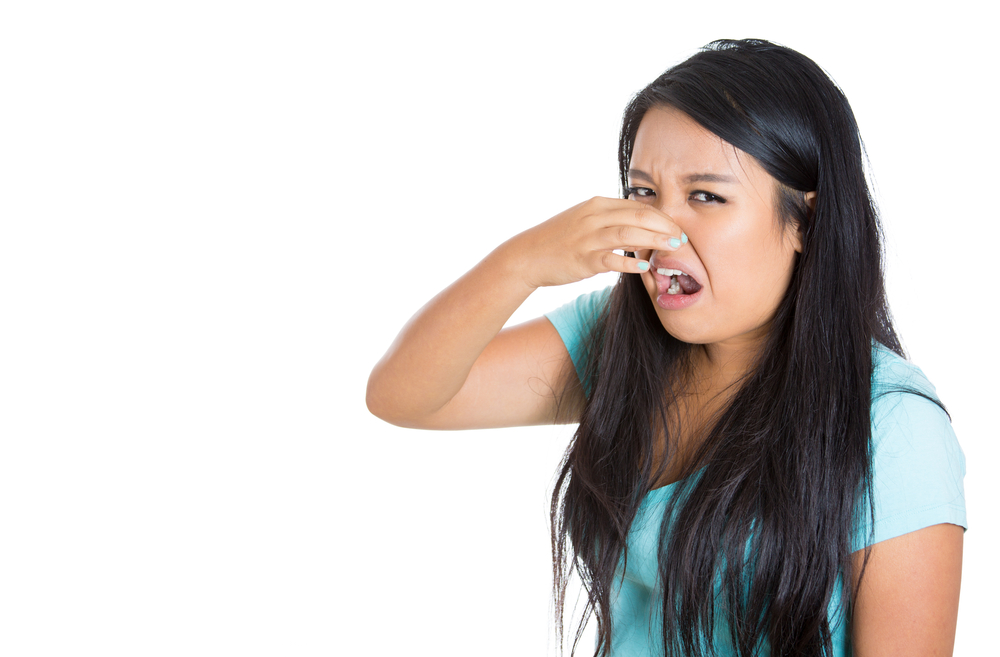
(511, 261)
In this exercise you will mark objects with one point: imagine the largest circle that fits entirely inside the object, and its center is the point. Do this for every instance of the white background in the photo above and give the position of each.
(217, 215)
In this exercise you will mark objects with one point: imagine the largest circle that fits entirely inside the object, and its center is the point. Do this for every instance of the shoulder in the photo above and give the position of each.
(574, 321)
(580, 313)
(892, 371)
(905, 406)
(917, 464)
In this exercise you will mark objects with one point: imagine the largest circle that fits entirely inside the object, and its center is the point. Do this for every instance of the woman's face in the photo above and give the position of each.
(738, 259)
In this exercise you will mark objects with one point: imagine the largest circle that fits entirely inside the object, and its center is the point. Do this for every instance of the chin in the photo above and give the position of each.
(683, 331)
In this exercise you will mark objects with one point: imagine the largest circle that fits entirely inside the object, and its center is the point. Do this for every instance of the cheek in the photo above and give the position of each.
(742, 253)
(733, 273)
(751, 270)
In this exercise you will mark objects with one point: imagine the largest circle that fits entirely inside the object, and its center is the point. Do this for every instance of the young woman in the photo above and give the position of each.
(757, 469)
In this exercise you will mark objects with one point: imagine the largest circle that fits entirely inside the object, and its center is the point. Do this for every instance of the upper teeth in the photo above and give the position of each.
(669, 272)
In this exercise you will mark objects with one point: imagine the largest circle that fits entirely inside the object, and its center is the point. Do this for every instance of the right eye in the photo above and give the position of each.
(640, 192)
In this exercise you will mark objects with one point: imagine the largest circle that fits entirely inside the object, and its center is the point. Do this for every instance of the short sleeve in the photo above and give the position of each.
(574, 321)
(918, 466)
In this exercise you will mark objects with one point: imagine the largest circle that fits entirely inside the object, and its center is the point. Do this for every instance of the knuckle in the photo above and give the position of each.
(587, 209)
(607, 260)
(624, 234)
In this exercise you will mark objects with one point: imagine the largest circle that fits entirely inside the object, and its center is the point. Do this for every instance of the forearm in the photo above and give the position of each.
(430, 360)
(424, 379)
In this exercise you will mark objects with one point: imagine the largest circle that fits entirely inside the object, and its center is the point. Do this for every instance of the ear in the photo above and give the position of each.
(796, 235)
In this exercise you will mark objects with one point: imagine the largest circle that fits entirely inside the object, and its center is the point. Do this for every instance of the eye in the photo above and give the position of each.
(706, 197)
(640, 192)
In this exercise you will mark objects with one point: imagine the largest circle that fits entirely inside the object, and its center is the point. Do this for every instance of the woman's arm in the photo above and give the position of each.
(451, 367)
(908, 601)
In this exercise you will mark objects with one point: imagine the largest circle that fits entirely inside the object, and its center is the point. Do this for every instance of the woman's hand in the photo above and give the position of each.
(580, 242)
(451, 367)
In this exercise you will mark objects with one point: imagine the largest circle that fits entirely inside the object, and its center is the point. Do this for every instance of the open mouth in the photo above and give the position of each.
(680, 282)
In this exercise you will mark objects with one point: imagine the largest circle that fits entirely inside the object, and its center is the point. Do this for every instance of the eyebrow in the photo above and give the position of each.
(693, 178)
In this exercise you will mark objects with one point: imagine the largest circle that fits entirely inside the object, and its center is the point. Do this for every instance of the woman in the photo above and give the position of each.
(757, 470)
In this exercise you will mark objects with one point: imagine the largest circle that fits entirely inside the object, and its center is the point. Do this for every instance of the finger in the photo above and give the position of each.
(611, 261)
(646, 217)
(632, 238)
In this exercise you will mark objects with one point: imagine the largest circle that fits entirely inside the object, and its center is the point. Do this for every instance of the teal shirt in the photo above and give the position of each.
(918, 470)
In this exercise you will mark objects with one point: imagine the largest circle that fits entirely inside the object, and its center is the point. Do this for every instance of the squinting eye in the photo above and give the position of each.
(641, 192)
(707, 197)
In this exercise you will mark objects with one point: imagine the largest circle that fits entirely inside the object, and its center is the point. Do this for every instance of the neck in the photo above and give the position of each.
(723, 364)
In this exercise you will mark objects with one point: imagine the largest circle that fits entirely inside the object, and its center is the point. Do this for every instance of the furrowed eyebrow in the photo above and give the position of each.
(636, 174)
(709, 177)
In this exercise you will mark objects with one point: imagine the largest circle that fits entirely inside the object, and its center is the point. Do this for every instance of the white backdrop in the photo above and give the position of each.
(217, 215)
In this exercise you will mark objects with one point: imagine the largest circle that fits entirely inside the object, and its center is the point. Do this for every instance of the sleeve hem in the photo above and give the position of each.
(905, 523)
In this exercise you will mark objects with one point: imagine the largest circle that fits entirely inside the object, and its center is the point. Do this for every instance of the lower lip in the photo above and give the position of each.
(677, 301)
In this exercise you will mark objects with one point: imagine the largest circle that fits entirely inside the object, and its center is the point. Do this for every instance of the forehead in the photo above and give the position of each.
(671, 145)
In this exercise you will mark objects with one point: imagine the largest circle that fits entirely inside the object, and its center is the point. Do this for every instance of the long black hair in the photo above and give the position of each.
(782, 478)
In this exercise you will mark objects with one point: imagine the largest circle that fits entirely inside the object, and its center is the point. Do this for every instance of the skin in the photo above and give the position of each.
(908, 602)
(738, 249)
(454, 366)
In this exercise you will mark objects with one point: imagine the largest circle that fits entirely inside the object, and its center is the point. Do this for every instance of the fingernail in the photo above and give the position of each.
(684, 238)
(674, 242)
(643, 266)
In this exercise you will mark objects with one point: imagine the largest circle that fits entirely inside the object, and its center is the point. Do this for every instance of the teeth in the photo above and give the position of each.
(669, 272)
(675, 286)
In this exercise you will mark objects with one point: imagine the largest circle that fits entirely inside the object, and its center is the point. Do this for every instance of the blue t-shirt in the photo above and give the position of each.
(917, 464)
